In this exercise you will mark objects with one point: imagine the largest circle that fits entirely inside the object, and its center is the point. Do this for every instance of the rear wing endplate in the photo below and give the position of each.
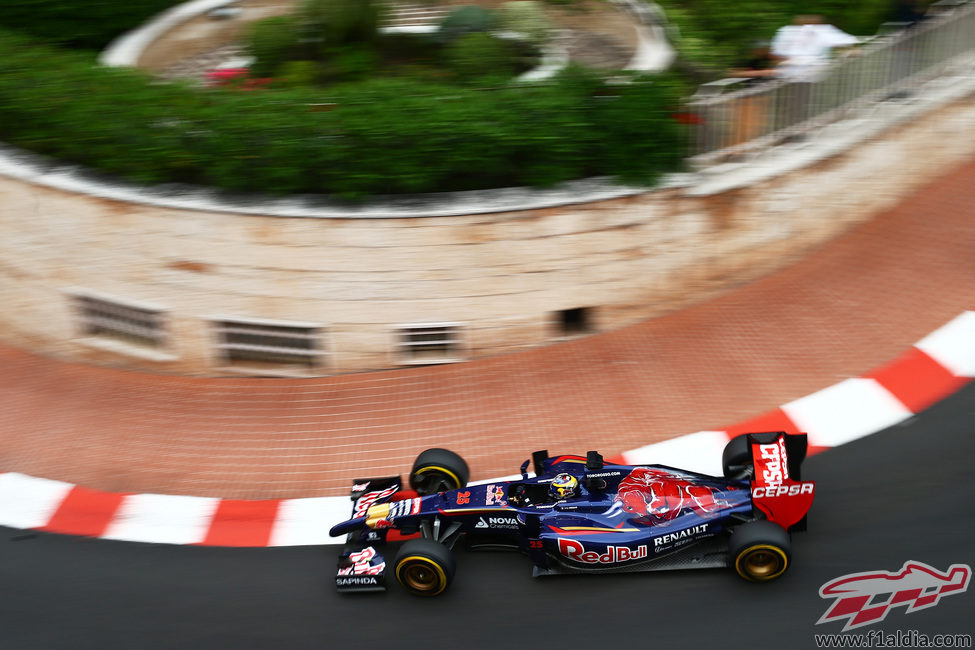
(777, 488)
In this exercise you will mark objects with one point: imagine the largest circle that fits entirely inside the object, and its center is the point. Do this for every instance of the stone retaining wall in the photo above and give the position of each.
(502, 277)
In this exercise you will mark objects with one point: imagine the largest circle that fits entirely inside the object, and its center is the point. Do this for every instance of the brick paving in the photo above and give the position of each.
(842, 310)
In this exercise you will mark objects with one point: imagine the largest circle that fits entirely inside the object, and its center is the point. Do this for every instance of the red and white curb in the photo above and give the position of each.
(937, 366)
(934, 368)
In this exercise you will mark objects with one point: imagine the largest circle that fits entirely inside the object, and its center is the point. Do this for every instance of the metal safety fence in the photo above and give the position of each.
(734, 117)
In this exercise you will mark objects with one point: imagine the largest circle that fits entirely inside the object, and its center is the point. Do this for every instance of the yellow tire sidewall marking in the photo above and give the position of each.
(437, 468)
(761, 547)
(419, 558)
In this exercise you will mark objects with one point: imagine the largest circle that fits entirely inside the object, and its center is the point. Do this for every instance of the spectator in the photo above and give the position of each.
(805, 47)
(760, 64)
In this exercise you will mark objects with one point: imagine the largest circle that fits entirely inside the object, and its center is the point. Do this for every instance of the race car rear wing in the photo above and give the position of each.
(777, 488)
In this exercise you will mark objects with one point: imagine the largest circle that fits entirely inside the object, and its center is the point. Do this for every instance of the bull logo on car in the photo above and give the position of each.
(657, 496)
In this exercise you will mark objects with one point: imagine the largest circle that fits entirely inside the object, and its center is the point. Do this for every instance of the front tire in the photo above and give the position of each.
(424, 567)
(760, 550)
(437, 470)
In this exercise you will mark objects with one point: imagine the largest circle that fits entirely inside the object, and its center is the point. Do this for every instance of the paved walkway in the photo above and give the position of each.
(843, 310)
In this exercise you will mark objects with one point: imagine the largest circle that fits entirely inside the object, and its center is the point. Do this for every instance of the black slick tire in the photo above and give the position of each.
(759, 551)
(436, 470)
(424, 567)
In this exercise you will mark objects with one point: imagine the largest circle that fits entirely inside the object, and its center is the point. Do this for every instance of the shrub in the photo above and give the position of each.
(525, 17)
(272, 42)
(381, 137)
(351, 63)
(339, 34)
(88, 24)
(636, 129)
(409, 48)
(466, 19)
(341, 22)
(299, 73)
(478, 55)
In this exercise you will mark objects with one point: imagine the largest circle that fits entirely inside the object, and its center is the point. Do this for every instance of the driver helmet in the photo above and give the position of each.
(565, 486)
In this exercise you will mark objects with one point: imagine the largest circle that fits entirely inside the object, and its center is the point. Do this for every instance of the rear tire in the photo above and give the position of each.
(759, 551)
(437, 470)
(736, 459)
(424, 567)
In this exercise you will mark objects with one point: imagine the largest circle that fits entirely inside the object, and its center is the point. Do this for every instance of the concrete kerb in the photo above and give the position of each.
(849, 410)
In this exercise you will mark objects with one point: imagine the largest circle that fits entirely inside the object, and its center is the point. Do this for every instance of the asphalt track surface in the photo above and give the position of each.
(902, 494)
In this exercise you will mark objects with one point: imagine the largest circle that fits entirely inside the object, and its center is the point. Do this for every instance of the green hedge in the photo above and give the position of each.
(89, 24)
(383, 136)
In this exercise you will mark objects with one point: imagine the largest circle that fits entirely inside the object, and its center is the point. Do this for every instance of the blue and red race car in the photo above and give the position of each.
(580, 514)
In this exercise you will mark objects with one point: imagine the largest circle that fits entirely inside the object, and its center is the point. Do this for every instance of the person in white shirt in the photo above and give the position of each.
(804, 47)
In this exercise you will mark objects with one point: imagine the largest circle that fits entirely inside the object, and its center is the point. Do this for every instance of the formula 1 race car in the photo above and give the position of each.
(580, 514)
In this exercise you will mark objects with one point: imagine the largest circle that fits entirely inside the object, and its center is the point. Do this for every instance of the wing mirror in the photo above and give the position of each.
(594, 461)
(524, 470)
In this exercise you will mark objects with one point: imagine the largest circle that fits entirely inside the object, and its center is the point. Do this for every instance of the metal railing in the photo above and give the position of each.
(732, 122)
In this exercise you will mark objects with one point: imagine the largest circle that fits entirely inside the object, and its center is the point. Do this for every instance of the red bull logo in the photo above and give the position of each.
(574, 550)
(866, 598)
